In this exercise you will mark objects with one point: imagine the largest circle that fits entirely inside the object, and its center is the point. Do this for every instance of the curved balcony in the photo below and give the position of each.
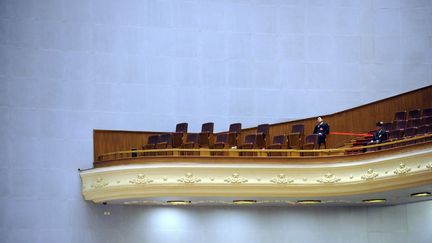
(335, 177)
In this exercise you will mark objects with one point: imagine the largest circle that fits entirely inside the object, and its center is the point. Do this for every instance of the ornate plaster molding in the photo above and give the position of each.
(329, 178)
(189, 178)
(281, 179)
(370, 175)
(141, 179)
(235, 178)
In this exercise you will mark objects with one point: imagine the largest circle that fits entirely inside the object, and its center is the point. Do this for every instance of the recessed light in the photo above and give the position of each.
(244, 201)
(374, 201)
(179, 202)
(421, 194)
(309, 201)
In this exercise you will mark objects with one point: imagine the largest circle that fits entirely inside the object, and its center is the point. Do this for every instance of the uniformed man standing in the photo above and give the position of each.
(322, 129)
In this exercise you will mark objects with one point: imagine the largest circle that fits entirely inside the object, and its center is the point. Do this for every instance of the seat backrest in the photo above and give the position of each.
(165, 138)
(426, 120)
(414, 114)
(427, 112)
(279, 139)
(192, 138)
(207, 127)
(410, 132)
(400, 115)
(297, 128)
(177, 139)
(414, 122)
(387, 126)
(399, 124)
(182, 127)
(263, 129)
(250, 138)
(423, 129)
(222, 138)
(396, 134)
(312, 139)
(235, 127)
(232, 139)
(153, 139)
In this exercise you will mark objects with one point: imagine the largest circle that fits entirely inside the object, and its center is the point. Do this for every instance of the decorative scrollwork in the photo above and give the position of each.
(402, 170)
(141, 179)
(429, 166)
(329, 178)
(281, 179)
(370, 175)
(100, 183)
(189, 178)
(235, 179)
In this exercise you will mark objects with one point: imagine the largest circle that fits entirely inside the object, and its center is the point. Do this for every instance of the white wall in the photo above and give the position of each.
(67, 67)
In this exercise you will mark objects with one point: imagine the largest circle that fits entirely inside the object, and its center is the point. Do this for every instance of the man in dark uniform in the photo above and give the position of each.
(322, 129)
(380, 135)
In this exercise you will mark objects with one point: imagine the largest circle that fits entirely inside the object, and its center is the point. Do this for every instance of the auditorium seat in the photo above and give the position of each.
(263, 129)
(177, 139)
(426, 120)
(191, 143)
(295, 138)
(387, 126)
(400, 115)
(279, 142)
(207, 127)
(311, 141)
(410, 132)
(165, 142)
(414, 122)
(206, 134)
(249, 143)
(422, 130)
(152, 140)
(414, 114)
(182, 127)
(427, 112)
(234, 132)
(399, 124)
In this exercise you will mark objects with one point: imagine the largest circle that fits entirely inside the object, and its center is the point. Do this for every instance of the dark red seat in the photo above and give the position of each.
(414, 122)
(249, 143)
(165, 142)
(152, 140)
(400, 115)
(206, 134)
(414, 114)
(295, 138)
(234, 132)
(426, 120)
(279, 142)
(410, 132)
(427, 112)
(399, 124)
(387, 126)
(191, 143)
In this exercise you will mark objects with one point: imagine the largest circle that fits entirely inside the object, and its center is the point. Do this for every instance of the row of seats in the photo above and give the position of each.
(204, 139)
(417, 113)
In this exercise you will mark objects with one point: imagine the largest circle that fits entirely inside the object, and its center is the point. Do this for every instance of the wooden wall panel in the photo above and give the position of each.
(357, 120)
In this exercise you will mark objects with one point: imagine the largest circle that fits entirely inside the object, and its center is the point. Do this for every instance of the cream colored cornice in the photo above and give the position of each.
(258, 180)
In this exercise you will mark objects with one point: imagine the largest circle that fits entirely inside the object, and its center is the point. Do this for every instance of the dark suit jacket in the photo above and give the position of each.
(380, 136)
(322, 128)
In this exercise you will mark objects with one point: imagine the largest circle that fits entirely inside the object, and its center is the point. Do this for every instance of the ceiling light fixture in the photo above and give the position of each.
(308, 201)
(374, 200)
(178, 202)
(421, 194)
(243, 202)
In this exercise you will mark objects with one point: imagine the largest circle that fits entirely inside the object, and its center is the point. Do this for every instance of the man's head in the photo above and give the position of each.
(379, 124)
(319, 119)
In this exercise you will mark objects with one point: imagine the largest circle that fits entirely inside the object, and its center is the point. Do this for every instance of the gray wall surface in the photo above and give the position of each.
(67, 67)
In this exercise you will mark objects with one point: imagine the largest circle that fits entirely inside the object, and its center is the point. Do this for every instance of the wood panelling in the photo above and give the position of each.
(356, 120)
